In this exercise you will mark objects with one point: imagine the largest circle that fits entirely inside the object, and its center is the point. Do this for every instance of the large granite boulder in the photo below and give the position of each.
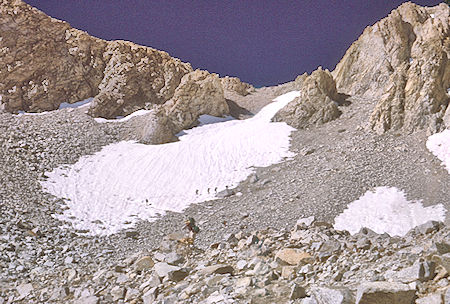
(404, 62)
(317, 103)
(156, 129)
(199, 93)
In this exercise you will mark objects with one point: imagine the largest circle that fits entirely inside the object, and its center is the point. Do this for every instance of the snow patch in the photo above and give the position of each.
(78, 104)
(128, 181)
(23, 113)
(386, 210)
(65, 105)
(208, 119)
(439, 145)
(122, 118)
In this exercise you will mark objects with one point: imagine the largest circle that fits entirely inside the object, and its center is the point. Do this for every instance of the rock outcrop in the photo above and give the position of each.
(44, 62)
(199, 93)
(317, 103)
(235, 85)
(135, 76)
(404, 61)
(41, 66)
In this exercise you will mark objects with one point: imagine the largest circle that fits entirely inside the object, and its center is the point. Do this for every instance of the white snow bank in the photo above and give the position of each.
(208, 119)
(439, 145)
(78, 104)
(121, 118)
(127, 181)
(64, 105)
(386, 210)
(23, 113)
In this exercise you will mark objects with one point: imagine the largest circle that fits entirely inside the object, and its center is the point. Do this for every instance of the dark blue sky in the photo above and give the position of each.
(260, 41)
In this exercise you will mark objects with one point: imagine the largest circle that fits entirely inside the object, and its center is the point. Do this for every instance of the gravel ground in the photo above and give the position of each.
(335, 164)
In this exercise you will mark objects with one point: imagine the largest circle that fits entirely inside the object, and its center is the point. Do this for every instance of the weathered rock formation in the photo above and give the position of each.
(317, 103)
(153, 129)
(44, 62)
(40, 65)
(235, 85)
(404, 61)
(199, 93)
(135, 76)
(294, 85)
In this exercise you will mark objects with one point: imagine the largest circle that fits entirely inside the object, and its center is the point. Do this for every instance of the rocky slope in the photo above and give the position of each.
(402, 60)
(40, 262)
(251, 248)
(312, 263)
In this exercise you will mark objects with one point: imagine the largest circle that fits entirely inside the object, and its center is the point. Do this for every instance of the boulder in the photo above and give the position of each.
(403, 62)
(434, 298)
(325, 295)
(144, 263)
(317, 103)
(235, 85)
(304, 222)
(297, 292)
(292, 256)
(217, 269)
(420, 271)
(199, 93)
(385, 292)
(173, 273)
(154, 128)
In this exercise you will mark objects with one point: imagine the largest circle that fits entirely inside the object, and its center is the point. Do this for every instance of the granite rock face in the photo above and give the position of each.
(317, 103)
(403, 60)
(44, 62)
(135, 76)
(199, 93)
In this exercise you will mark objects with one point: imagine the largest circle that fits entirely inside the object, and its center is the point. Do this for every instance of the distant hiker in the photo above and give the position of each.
(208, 190)
(215, 189)
(196, 192)
(191, 227)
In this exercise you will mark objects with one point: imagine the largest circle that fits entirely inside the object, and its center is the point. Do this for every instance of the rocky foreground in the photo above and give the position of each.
(312, 263)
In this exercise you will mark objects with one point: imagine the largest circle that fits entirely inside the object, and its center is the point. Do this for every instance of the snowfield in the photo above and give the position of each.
(386, 209)
(439, 145)
(128, 181)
